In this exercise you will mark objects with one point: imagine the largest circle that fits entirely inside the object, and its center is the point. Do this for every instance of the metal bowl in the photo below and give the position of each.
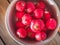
(9, 22)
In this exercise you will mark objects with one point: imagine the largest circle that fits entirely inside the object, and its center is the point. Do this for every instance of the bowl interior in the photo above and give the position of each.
(10, 21)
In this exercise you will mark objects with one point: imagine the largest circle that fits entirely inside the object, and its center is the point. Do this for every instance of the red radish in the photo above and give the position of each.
(37, 25)
(30, 7)
(20, 6)
(43, 35)
(47, 15)
(51, 24)
(19, 24)
(30, 33)
(40, 36)
(21, 33)
(26, 19)
(38, 13)
(41, 5)
(19, 14)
